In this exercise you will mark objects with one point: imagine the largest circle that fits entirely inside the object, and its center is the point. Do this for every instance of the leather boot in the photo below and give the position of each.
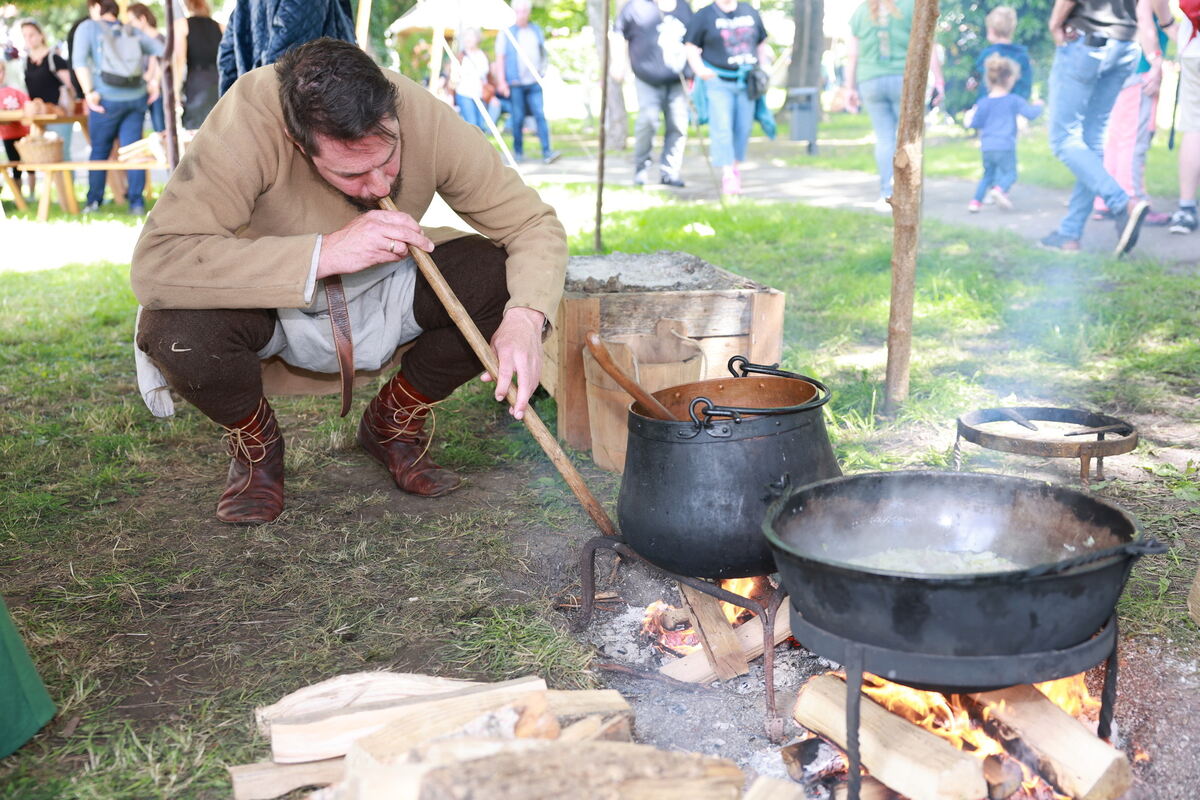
(254, 490)
(392, 432)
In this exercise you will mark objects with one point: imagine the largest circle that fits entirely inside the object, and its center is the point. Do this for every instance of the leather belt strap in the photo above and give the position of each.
(343, 342)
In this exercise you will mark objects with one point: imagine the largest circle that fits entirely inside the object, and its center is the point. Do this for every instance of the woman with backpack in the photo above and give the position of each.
(108, 63)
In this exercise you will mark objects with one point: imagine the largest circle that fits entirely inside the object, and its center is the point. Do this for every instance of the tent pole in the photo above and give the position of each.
(906, 203)
(598, 243)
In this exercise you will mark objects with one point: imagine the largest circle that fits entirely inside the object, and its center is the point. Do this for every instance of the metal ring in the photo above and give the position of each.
(392, 246)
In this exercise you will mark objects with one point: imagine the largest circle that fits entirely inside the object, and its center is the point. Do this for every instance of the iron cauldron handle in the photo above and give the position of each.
(1134, 550)
(742, 364)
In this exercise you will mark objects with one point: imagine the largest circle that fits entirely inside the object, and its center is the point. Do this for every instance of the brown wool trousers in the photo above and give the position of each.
(208, 356)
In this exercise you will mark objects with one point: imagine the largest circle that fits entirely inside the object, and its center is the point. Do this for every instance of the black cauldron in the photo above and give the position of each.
(1073, 551)
(694, 493)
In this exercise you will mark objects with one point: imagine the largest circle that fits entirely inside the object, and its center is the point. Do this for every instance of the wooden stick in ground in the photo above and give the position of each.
(1066, 753)
(906, 203)
(903, 756)
(483, 351)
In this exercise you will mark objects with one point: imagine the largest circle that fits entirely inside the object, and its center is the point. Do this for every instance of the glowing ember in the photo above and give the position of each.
(670, 629)
(1140, 756)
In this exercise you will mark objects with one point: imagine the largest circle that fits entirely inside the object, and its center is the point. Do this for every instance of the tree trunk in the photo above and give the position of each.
(906, 203)
(616, 119)
(808, 44)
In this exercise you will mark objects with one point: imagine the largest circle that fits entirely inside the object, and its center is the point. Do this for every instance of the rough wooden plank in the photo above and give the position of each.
(567, 705)
(717, 638)
(766, 327)
(576, 316)
(308, 737)
(266, 779)
(695, 667)
(903, 756)
(705, 313)
(1068, 754)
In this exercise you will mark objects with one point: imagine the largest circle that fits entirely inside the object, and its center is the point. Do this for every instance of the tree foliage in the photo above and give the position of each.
(961, 31)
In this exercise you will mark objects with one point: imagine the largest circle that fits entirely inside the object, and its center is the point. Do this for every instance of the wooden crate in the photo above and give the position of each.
(725, 313)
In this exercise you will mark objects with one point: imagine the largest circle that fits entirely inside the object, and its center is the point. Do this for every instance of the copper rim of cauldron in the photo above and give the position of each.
(1121, 436)
(753, 395)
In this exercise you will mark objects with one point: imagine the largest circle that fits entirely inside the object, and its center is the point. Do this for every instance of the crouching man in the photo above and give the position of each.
(278, 192)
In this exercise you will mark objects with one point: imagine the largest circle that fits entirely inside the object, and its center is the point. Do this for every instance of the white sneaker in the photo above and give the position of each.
(882, 206)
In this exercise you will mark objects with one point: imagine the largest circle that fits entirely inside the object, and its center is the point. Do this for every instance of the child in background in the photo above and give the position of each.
(1001, 24)
(995, 118)
(12, 99)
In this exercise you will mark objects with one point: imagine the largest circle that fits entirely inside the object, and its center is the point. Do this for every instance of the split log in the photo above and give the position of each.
(309, 737)
(354, 689)
(586, 771)
(1063, 750)
(813, 759)
(592, 714)
(1003, 775)
(765, 788)
(266, 779)
(719, 642)
(908, 759)
(695, 667)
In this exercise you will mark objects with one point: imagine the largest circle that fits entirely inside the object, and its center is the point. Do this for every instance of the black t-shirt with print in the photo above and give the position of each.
(727, 40)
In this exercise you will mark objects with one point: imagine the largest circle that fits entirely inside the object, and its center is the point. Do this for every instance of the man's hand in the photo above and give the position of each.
(518, 346)
(375, 237)
(92, 101)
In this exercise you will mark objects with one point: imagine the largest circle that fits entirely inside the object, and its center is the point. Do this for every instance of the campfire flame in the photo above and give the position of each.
(682, 639)
(949, 719)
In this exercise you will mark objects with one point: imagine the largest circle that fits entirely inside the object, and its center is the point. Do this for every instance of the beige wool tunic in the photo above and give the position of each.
(237, 224)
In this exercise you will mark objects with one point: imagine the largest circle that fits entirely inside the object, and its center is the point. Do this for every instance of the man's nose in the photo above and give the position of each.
(378, 184)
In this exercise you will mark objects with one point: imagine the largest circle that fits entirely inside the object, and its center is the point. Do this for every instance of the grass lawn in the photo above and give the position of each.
(158, 630)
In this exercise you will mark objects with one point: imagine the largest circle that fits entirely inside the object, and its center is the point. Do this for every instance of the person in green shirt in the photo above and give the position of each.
(875, 74)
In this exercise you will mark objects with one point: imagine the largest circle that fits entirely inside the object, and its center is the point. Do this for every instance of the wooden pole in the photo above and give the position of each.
(483, 351)
(362, 25)
(598, 242)
(906, 203)
(168, 87)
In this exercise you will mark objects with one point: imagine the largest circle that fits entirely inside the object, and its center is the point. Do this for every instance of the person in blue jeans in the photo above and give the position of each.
(114, 91)
(995, 117)
(1097, 50)
(875, 76)
(520, 73)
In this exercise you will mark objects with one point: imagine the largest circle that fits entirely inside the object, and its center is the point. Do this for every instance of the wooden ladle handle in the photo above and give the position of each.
(653, 407)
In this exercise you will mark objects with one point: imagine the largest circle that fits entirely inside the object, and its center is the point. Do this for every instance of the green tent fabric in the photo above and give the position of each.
(25, 705)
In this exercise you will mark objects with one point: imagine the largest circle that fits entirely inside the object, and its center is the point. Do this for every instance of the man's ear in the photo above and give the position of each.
(296, 144)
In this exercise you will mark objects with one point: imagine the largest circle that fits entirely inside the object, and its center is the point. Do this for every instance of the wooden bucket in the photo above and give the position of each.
(656, 360)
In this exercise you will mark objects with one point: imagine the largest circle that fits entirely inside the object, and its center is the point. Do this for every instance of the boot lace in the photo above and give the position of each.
(239, 441)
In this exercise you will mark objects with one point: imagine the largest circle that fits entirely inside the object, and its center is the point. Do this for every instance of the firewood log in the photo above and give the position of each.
(308, 737)
(344, 692)
(903, 756)
(695, 668)
(1194, 599)
(717, 637)
(871, 789)
(1066, 753)
(555, 770)
(266, 779)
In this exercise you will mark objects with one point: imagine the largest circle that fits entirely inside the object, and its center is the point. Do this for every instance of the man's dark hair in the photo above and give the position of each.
(143, 11)
(106, 6)
(330, 88)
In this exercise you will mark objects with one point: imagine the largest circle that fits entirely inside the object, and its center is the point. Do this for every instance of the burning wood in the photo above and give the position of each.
(673, 630)
(1004, 728)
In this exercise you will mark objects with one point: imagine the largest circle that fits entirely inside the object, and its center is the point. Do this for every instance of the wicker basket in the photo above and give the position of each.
(40, 151)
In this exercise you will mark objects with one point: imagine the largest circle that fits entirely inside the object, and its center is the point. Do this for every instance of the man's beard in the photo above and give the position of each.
(371, 205)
